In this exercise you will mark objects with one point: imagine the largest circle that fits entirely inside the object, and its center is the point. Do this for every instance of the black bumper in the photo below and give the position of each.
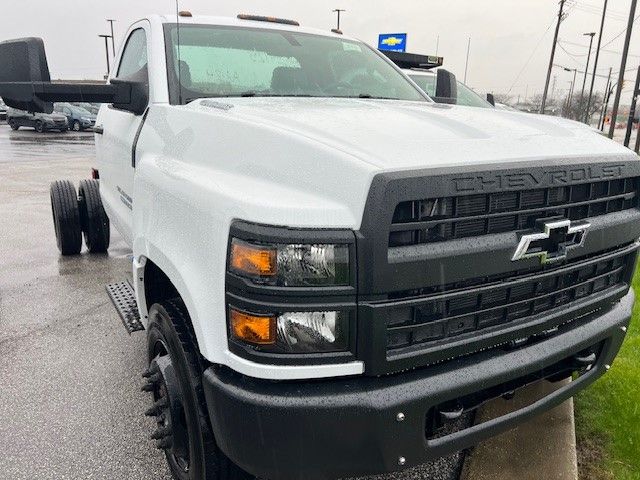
(349, 426)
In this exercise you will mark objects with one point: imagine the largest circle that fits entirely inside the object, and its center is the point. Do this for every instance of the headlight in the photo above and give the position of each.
(291, 265)
(292, 332)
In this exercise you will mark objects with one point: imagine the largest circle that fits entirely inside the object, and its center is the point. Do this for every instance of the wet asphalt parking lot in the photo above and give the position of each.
(70, 399)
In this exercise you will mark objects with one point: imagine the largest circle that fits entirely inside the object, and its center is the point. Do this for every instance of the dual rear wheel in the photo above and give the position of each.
(79, 213)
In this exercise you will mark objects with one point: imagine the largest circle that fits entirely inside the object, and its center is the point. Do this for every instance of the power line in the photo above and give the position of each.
(566, 42)
(596, 11)
(532, 54)
(619, 34)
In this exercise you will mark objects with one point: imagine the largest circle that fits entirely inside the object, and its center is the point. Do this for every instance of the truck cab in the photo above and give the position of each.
(331, 268)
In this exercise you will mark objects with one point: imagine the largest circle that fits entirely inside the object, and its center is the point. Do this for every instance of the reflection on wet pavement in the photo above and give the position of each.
(26, 143)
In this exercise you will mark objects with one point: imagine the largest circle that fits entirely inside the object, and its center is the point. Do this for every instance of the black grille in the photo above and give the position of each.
(448, 218)
(456, 311)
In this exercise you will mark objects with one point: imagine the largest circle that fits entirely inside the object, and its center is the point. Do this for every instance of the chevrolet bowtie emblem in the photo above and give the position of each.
(557, 238)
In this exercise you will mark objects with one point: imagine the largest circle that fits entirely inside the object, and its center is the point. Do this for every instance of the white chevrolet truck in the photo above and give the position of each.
(331, 268)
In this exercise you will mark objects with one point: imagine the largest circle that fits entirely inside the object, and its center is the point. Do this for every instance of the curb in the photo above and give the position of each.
(544, 447)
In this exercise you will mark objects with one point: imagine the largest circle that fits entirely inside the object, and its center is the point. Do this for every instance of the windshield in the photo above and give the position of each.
(426, 82)
(217, 61)
(466, 96)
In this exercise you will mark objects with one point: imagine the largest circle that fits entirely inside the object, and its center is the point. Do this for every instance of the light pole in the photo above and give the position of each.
(466, 65)
(339, 11)
(595, 62)
(106, 50)
(586, 69)
(113, 42)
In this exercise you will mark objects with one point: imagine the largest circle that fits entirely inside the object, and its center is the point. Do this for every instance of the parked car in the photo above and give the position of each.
(77, 117)
(3, 110)
(42, 122)
(94, 108)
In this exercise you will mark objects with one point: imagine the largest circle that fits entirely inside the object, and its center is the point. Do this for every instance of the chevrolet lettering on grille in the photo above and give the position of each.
(557, 238)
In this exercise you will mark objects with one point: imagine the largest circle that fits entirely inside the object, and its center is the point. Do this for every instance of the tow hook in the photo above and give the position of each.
(171, 433)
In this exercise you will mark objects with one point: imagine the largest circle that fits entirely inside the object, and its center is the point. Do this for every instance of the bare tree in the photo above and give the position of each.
(576, 109)
(504, 98)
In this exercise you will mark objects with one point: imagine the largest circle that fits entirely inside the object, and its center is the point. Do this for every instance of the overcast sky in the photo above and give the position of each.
(510, 39)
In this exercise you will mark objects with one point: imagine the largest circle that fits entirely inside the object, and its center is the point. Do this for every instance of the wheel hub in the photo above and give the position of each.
(171, 434)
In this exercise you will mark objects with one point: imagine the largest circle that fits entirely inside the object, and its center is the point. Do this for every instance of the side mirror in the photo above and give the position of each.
(491, 99)
(139, 97)
(23, 61)
(446, 87)
(25, 82)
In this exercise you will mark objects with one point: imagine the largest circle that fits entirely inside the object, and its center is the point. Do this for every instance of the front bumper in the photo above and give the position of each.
(346, 427)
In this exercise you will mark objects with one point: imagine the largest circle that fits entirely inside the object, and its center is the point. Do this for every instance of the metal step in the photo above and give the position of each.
(123, 298)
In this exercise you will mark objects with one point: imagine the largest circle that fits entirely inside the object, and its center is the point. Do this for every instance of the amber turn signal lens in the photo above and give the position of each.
(253, 259)
(251, 328)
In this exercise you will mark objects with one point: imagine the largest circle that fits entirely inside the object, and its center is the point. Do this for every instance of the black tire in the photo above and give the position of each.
(66, 217)
(169, 333)
(76, 126)
(93, 219)
(39, 126)
(13, 124)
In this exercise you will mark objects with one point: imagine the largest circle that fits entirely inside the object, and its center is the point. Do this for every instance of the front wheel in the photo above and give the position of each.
(76, 126)
(175, 380)
(39, 126)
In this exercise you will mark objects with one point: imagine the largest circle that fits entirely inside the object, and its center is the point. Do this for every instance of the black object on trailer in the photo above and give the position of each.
(446, 83)
(413, 60)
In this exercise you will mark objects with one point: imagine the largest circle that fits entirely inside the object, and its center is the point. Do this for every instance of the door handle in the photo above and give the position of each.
(99, 129)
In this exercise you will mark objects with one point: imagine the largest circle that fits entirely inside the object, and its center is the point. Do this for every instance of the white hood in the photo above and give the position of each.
(393, 135)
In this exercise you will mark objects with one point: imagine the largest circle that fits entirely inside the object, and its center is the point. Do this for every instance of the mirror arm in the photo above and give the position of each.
(47, 92)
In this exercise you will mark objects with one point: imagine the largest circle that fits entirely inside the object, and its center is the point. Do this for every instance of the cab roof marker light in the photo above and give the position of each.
(260, 18)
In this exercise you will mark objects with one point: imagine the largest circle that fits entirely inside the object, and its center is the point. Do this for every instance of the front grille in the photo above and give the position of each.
(452, 217)
(455, 311)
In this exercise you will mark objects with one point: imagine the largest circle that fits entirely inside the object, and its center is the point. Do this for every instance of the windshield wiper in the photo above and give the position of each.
(367, 96)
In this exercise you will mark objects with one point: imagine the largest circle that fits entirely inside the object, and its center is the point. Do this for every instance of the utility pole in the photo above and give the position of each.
(605, 98)
(339, 11)
(567, 102)
(466, 65)
(632, 110)
(623, 65)
(113, 42)
(553, 86)
(586, 69)
(595, 63)
(637, 147)
(606, 105)
(573, 83)
(437, 44)
(553, 54)
(106, 50)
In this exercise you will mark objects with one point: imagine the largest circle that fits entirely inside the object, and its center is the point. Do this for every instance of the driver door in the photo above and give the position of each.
(116, 132)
